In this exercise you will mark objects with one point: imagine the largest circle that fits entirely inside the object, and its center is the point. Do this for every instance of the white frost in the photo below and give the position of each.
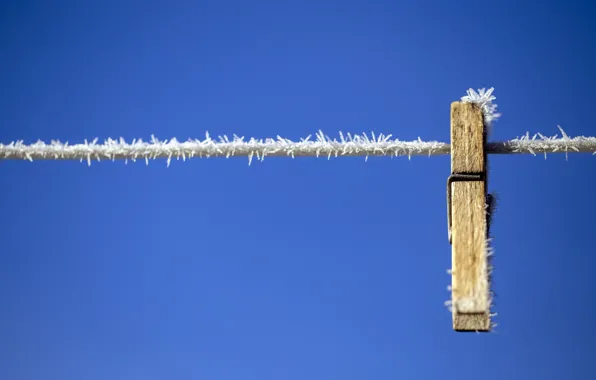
(484, 98)
(538, 143)
(322, 145)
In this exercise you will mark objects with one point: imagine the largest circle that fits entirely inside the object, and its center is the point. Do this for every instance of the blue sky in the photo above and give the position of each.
(288, 269)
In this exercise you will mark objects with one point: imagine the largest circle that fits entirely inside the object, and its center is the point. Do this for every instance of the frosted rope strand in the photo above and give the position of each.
(322, 146)
(539, 143)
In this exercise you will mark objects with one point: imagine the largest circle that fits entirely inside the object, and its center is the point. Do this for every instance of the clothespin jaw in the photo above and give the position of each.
(467, 219)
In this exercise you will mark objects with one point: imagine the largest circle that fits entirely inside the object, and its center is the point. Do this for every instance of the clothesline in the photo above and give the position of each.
(364, 145)
(320, 146)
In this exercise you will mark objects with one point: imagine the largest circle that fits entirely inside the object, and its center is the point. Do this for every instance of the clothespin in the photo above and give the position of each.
(467, 219)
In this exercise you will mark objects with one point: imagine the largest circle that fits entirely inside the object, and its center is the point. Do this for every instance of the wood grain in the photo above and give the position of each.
(470, 283)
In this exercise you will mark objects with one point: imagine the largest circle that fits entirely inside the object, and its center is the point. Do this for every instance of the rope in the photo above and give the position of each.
(543, 144)
(321, 146)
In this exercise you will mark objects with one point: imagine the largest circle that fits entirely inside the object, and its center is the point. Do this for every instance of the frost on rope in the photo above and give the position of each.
(539, 143)
(321, 145)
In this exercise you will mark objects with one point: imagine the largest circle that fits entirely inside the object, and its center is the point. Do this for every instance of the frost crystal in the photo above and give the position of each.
(484, 99)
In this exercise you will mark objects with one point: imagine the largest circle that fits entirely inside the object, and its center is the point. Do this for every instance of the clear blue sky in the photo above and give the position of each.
(288, 269)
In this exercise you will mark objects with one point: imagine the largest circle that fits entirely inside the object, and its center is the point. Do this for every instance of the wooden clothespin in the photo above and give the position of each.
(467, 218)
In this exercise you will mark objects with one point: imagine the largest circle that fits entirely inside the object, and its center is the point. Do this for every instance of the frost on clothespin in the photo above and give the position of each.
(484, 99)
